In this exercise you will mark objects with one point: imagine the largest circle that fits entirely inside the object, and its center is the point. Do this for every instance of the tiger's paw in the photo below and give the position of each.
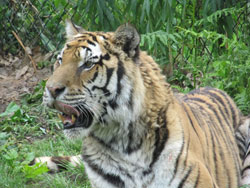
(51, 165)
(57, 164)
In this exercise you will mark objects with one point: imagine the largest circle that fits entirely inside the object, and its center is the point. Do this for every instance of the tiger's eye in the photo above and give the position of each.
(88, 64)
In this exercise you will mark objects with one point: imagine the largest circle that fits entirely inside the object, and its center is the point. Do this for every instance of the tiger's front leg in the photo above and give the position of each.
(56, 164)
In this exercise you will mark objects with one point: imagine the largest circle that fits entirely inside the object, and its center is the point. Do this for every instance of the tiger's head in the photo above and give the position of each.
(96, 83)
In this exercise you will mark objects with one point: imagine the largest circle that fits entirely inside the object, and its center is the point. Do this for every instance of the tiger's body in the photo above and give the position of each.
(136, 132)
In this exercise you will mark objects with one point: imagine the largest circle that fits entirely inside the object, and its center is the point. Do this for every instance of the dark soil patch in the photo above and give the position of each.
(17, 76)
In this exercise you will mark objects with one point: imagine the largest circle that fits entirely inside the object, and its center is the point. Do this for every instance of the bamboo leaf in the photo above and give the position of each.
(100, 11)
(147, 7)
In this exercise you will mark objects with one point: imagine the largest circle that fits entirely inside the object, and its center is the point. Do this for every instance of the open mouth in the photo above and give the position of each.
(73, 117)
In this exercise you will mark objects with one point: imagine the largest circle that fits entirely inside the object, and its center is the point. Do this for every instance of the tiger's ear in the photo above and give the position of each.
(128, 38)
(72, 29)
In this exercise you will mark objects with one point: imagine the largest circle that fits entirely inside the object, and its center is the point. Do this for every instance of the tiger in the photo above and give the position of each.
(136, 131)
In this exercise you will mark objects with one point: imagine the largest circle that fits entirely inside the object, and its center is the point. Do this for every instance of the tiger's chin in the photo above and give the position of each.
(76, 133)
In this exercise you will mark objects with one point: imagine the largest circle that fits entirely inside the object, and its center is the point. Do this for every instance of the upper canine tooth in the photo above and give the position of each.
(61, 117)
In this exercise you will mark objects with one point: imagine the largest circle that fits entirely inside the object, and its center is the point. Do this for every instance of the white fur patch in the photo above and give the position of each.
(92, 55)
(76, 160)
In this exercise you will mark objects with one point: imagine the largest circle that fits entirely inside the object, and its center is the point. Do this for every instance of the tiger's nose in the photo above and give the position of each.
(56, 91)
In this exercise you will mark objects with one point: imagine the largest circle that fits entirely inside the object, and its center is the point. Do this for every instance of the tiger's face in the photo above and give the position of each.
(93, 81)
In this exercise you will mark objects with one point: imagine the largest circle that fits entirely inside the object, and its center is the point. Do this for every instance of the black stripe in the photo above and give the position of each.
(227, 174)
(113, 104)
(103, 36)
(94, 38)
(215, 142)
(90, 93)
(199, 119)
(89, 33)
(230, 145)
(111, 178)
(130, 138)
(197, 178)
(160, 140)
(231, 106)
(217, 97)
(213, 137)
(246, 154)
(74, 94)
(90, 42)
(244, 169)
(106, 57)
(76, 99)
(94, 57)
(130, 102)
(102, 142)
(87, 48)
(82, 36)
(120, 73)
(247, 145)
(156, 150)
(109, 72)
(215, 130)
(68, 46)
(132, 146)
(95, 76)
(177, 161)
(241, 144)
(191, 122)
(100, 62)
(187, 148)
(61, 162)
(185, 178)
(213, 96)
(101, 118)
(204, 102)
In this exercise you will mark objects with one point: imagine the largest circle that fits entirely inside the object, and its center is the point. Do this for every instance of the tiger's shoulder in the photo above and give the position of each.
(216, 101)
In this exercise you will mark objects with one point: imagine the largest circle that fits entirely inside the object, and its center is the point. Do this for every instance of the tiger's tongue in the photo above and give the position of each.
(68, 110)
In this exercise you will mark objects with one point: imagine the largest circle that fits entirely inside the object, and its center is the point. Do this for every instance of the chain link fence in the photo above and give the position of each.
(41, 23)
(34, 22)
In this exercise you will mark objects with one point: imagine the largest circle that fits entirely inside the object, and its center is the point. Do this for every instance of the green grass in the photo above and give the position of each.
(29, 130)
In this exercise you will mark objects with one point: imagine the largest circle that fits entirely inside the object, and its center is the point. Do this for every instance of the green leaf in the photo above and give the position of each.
(47, 42)
(30, 156)
(100, 10)
(11, 155)
(35, 170)
(3, 135)
(147, 7)
(10, 110)
(172, 37)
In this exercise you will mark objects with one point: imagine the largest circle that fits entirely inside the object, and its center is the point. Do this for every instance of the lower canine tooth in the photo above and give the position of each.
(73, 119)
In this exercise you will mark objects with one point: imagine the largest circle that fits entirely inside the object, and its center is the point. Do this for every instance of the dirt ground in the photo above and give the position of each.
(17, 75)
